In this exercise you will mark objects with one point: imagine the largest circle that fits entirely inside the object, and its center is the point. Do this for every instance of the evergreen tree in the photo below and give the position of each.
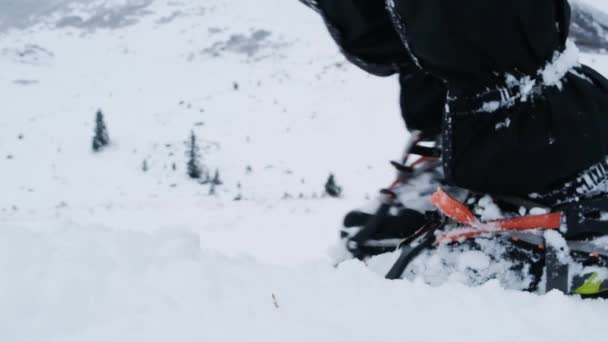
(195, 170)
(216, 178)
(215, 182)
(101, 138)
(144, 165)
(332, 188)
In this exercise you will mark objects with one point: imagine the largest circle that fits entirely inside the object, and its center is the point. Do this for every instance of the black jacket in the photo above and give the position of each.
(508, 130)
(367, 37)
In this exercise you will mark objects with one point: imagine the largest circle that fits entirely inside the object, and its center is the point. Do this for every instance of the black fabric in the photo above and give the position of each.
(589, 183)
(546, 143)
(471, 41)
(465, 48)
(544, 140)
(365, 33)
(423, 99)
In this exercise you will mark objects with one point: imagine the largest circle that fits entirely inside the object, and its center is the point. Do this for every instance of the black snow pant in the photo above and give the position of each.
(522, 115)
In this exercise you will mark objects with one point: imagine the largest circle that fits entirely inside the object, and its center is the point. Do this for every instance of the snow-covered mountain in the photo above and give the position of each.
(88, 14)
(94, 248)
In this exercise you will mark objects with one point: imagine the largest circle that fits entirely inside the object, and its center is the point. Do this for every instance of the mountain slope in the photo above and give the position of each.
(95, 249)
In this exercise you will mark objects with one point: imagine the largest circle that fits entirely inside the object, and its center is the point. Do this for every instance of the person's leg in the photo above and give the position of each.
(365, 34)
(423, 99)
(523, 116)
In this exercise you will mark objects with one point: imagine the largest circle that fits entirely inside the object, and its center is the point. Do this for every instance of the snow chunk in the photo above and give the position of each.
(562, 64)
(87, 284)
(474, 260)
(503, 124)
(559, 244)
(552, 74)
(539, 211)
(490, 107)
(488, 209)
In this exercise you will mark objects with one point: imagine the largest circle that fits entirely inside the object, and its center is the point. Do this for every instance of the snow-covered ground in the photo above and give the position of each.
(92, 248)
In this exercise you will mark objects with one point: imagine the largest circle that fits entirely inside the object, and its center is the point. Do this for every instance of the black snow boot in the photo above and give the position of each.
(556, 240)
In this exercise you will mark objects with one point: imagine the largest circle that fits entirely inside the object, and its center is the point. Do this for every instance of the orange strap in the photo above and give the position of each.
(459, 212)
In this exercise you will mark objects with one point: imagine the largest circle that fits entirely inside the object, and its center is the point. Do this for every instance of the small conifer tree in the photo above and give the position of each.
(195, 170)
(101, 138)
(332, 188)
(216, 178)
(216, 181)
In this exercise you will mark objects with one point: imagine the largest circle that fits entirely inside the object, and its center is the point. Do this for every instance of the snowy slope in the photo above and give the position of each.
(94, 249)
(162, 77)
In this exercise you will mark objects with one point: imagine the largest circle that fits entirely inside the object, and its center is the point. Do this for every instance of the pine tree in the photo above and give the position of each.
(195, 171)
(101, 138)
(144, 166)
(216, 178)
(331, 188)
(215, 182)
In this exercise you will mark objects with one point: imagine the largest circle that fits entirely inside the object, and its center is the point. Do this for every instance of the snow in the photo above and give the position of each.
(488, 210)
(94, 249)
(503, 124)
(78, 283)
(601, 5)
(538, 211)
(490, 107)
(562, 64)
(556, 241)
(551, 75)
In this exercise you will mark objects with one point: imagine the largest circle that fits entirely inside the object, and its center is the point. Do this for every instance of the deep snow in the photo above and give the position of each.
(94, 249)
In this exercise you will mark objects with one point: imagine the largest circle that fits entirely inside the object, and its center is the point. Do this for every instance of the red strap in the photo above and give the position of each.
(461, 214)
(453, 209)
